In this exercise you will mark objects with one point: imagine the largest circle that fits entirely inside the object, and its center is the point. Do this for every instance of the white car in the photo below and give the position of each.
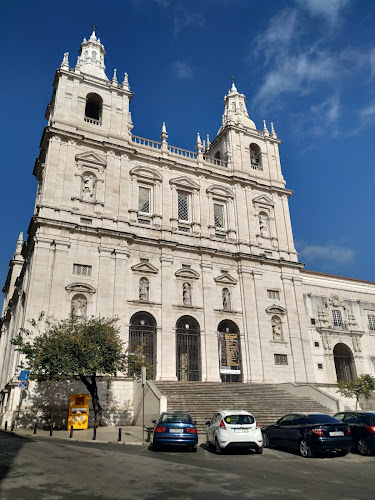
(234, 429)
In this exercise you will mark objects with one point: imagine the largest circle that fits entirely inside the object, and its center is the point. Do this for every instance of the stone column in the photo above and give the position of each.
(106, 279)
(209, 341)
(166, 345)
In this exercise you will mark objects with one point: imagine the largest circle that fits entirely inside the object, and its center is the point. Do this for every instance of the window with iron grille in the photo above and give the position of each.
(273, 294)
(219, 215)
(371, 321)
(281, 359)
(82, 270)
(337, 319)
(144, 204)
(183, 206)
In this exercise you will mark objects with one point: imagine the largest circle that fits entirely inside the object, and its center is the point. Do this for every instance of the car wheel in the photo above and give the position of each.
(363, 448)
(193, 449)
(259, 450)
(208, 443)
(218, 450)
(155, 447)
(266, 441)
(305, 449)
(342, 453)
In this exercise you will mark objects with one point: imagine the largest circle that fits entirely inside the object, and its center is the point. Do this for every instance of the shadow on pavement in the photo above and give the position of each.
(10, 445)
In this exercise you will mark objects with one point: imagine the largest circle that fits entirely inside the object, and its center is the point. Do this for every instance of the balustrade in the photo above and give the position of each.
(146, 142)
(182, 152)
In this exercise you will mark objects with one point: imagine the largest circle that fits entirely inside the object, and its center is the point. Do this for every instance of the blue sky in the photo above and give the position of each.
(306, 65)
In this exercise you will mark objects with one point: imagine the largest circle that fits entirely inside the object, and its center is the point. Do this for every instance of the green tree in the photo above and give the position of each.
(77, 349)
(363, 387)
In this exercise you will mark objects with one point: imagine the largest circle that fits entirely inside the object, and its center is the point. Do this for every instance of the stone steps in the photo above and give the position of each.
(267, 402)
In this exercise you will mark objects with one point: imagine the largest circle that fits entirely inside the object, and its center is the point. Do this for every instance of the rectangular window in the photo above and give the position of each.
(371, 321)
(320, 366)
(183, 206)
(313, 321)
(337, 319)
(82, 270)
(316, 344)
(219, 216)
(281, 359)
(144, 201)
(273, 294)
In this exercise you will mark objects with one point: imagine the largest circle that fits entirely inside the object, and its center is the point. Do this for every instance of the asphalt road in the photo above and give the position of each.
(36, 468)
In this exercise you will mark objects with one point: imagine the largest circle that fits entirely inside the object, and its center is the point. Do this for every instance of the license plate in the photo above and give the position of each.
(176, 431)
(241, 430)
(336, 433)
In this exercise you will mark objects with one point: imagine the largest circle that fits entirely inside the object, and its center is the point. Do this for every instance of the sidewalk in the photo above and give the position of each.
(129, 434)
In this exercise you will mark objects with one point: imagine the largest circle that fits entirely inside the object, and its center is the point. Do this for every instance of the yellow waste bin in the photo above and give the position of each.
(78, 415)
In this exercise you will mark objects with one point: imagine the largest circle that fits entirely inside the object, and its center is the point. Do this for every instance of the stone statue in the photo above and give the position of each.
(276, 330)
(186, 294)
(88, 187)
(79, 306)
(226, 298)
(263, 225)
(144, 289)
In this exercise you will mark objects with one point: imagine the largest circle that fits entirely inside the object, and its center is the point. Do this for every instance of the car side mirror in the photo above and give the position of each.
(154, 421)
(208, 423)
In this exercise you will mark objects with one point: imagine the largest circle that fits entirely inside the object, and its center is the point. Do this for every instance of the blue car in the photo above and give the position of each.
(175, 429)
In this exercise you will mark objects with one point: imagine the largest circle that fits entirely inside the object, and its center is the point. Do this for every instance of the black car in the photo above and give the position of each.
(309, 434)
(362, 425)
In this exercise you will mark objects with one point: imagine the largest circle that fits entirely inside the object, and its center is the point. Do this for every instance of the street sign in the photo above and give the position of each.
(24, 375)
(23, 385)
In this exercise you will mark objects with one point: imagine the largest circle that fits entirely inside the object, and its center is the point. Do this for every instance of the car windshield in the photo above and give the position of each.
(239, 419)
(323, 419)
(176, 417)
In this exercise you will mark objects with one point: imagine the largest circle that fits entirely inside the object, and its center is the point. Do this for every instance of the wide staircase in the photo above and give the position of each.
(267, 402)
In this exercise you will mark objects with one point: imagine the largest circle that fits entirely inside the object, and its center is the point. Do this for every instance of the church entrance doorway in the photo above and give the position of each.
(142, 334)
(188, 349)
(344, 363)
(229, 351)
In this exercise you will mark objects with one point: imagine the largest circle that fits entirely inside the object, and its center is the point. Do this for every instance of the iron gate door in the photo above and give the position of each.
(188, 356)
(143, 333)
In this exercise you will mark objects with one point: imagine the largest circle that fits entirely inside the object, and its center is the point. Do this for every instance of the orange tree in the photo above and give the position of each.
(77, 349)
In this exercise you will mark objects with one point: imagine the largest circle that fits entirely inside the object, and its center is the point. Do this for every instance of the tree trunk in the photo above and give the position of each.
(93, 390)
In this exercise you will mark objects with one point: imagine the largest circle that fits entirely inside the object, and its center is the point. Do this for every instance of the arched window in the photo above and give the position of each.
(229, 351)
(255, 157)
(88, 190)
(233, 106)
(142, 337)
(277, 328)
(264, 224)
(93, 109)
(144, 289)
(217, 155)
(344, 363)
(186, 294)
(226, 298)
(79, 306)
(188, 357)
(93, 55)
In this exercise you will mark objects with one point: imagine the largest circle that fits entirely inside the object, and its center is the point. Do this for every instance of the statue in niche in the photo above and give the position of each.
(226, 298)
(276, 329)
(144, 289)
(79, 306)
(186, 294)
(88, 187)
(263, 224)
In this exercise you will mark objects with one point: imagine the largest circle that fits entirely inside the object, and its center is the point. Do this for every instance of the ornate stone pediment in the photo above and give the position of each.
(80, 287)
(335, 301)
(263, 200)
(275, 309)
(146, 173)
(144, 268)
(92, 158)
(221, 191)
(184, 182)
(226, 279)
(186, 272)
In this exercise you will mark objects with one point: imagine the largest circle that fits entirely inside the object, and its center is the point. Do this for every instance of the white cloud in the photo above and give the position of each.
(368, 111)
(185, 19)
(330, 252)
(325, 114)
(182, 70)
(330, 10)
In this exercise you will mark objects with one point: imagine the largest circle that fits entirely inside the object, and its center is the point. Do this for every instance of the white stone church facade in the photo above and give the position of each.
(193, 251)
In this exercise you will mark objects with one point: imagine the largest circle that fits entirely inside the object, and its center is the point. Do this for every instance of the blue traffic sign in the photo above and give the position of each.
(23, 385)
(24, 375)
